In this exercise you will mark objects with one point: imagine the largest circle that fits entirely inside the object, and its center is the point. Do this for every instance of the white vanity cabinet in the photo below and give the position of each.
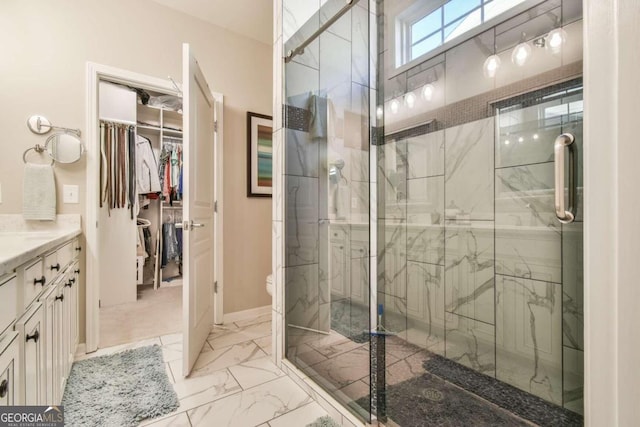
(30, 328)
(9, 369)
(39, 328)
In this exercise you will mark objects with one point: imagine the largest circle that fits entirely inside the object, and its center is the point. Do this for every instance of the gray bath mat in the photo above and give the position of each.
(119, 390)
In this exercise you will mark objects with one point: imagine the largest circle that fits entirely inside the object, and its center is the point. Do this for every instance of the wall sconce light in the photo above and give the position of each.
(555, 39)
(428, 91)
(395, 106)
(491, 65)
(410, 100)
(521, 54)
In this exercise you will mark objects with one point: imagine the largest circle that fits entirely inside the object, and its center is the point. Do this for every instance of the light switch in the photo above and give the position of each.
(70, 194)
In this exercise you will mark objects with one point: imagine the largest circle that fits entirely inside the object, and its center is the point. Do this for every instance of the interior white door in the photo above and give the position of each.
(198, 201)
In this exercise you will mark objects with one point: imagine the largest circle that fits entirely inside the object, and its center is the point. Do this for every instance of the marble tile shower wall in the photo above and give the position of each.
(326, 165)
(474, 265)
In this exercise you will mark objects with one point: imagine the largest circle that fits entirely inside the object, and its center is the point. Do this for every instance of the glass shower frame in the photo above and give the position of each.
(406, 261)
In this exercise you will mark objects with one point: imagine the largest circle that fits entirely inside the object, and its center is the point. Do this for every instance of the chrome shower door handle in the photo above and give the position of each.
(565, 142)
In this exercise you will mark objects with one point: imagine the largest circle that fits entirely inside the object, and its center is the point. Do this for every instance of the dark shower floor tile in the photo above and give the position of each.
(514, 400)
(429, 401)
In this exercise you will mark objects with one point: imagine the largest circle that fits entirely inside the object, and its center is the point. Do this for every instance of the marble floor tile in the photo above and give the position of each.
(221, 358)
(336, 348)
(251, 407)
(305, 353)
(171, 338)
(224, 338)
(199, 390)
(344, 369)
(407, 368)
(177, 420)
(356, 390)
(254, 320)
(299, 417)
(255, 372)
(171, 352)
(167, 368)
(264, 343)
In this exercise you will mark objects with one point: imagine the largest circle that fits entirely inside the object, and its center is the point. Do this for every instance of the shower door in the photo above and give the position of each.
(326, 196)
(480, 212)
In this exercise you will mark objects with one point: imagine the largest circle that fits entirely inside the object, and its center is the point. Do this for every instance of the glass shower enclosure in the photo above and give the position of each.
(433, 208)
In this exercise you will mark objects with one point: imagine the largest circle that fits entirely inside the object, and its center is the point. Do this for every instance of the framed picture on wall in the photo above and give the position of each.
(259, 155)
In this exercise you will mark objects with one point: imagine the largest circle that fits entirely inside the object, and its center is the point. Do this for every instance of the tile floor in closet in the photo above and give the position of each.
(234, 382)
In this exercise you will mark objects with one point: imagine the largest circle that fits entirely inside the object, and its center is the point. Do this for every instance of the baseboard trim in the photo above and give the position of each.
(81, 350)
(246, 314)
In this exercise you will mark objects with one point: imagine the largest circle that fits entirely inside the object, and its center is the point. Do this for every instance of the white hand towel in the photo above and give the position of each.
(39, 193)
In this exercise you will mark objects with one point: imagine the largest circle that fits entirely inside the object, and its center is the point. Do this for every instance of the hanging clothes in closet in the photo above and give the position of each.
(117, 166)
(147, 180)
(170, 171)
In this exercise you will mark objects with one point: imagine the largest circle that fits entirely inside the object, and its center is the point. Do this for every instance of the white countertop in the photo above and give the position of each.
(21, 242)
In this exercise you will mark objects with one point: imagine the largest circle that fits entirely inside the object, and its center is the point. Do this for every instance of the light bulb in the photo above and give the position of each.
(379, 112)
(535, 136)
(555, 39)
(491, 65)
(427, 91)
(507, 142)
(521, 139)
(520, 54)
(395, 106)
(410, 99)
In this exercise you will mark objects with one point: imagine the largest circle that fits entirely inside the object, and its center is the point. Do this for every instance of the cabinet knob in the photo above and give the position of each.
(60, 297)
(79, 248)
(40, 280)
(55, 267)
(34, 336)
(4, 388)
(68, 284)
(77, 271)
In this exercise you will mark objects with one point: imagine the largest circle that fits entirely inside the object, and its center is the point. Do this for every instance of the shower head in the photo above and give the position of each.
(335, 170)
(338, 164)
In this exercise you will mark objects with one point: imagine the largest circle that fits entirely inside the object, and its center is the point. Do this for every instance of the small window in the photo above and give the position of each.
(449, 21)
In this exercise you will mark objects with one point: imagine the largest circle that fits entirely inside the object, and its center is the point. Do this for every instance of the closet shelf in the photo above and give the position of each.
(158, 129)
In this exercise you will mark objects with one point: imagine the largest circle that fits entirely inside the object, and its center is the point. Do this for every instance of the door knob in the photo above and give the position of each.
(190, 225)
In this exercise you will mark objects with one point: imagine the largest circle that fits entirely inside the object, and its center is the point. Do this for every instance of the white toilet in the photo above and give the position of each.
(270, 284)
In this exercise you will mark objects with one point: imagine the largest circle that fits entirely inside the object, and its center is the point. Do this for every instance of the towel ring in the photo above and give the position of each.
(38, 149)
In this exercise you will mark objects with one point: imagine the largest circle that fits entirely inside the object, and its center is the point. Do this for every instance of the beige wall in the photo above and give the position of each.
(44, 49)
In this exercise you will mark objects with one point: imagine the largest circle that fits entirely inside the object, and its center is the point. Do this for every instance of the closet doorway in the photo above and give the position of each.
(157, 249)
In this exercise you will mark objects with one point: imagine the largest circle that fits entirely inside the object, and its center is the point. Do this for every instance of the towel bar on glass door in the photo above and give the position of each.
(38, 149)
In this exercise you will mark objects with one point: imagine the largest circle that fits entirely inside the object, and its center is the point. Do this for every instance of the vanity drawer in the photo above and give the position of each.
(66, 254)
(51, 266)
(33, 281)
(9, 299)
(76, 248)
